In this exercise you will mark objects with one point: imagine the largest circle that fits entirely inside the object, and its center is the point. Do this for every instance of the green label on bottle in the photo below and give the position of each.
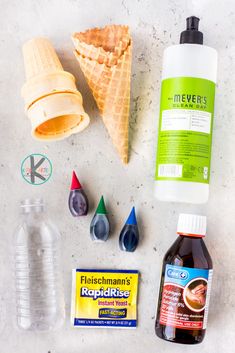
(185, 129)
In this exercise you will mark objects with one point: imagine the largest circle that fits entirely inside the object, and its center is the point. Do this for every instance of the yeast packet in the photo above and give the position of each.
(104, 298)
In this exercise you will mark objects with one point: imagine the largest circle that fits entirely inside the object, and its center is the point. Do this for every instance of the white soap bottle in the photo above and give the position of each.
(186, 119)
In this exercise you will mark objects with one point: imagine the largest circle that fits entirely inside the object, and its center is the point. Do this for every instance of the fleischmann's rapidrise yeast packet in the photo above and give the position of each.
(104, 298)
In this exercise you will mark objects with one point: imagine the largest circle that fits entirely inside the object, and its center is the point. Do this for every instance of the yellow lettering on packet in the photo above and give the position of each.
(104, 298)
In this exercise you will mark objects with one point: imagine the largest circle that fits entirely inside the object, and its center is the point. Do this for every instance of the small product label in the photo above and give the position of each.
(185, 129)
(104, 298)
(185, 297)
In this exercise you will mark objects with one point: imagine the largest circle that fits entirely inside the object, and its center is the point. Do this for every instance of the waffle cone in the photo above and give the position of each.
(104, 56)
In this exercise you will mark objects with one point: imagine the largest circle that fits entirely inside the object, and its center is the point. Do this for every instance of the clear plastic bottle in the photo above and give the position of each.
(39, 293)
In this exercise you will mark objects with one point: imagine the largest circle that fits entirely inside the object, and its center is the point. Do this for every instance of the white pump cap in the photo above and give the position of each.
(191, 225)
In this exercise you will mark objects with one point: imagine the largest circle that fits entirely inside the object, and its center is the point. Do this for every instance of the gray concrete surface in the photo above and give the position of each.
(154, 25)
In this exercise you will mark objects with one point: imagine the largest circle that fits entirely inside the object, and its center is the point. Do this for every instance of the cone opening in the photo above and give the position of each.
(58, 126)
(107, 38)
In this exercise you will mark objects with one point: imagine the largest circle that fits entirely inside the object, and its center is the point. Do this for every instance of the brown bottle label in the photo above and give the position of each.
(185, 297)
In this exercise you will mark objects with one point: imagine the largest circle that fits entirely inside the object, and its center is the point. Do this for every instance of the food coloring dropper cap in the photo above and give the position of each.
(101, 209)
(75, 184)
(131, 218)
(192, 35)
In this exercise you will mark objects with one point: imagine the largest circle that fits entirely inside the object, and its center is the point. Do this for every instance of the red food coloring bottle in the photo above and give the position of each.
(78, 201)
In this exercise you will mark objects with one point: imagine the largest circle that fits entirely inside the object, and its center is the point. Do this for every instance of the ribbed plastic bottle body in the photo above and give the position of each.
(196, 61)
(39, 294)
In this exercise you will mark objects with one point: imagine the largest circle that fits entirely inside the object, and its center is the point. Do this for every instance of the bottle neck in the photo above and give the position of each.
(32, 206)
(192, 236)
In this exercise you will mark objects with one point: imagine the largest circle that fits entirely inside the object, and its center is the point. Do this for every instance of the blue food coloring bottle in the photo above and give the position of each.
(129, 236)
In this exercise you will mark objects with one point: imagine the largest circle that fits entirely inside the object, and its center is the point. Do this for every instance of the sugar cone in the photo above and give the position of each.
(104, 56)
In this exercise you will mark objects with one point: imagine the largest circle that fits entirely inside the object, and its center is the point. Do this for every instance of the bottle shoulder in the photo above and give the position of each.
(40, 231)
(192, 47)
(189, 252)
(190, 60)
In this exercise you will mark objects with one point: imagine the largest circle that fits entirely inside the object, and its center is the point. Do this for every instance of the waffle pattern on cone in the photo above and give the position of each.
(104, 56)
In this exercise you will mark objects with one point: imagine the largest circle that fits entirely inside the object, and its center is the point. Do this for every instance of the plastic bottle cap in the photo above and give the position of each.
(132, 217)
(192, 35)
(32, 205)
(191, 225)
(101, 209)
(75, 184)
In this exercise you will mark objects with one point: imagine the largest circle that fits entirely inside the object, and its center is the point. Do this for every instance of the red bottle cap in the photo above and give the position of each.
(75, 182)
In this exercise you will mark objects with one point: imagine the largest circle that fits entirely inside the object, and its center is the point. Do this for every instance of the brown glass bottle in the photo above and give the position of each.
(188, 252)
